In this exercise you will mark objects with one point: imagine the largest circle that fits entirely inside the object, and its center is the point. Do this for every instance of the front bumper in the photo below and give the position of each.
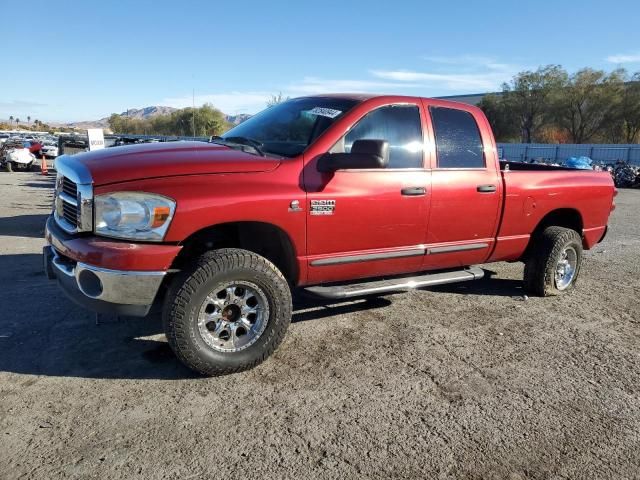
(130, 293)
(126, 283)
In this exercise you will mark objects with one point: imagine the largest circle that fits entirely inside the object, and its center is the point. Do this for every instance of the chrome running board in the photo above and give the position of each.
(397, 284)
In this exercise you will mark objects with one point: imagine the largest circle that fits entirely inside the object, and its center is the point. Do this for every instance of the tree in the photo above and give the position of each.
(502, 120)
(630, 108)
(17, 122)
(588, 103)
(28, 119)
(276, 99)
(527, 97)
(206, 121)
(11, 119)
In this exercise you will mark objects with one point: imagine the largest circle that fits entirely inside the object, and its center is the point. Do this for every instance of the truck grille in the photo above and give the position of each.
(67, 203)
(73, 205)
(69, 187)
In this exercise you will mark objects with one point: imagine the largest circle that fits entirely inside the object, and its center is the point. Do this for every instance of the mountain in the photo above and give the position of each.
(145, 113)
(141, 113)
(148, 112)
(237, 119)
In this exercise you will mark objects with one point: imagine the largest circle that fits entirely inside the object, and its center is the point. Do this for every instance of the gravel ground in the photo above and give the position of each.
(464, 381)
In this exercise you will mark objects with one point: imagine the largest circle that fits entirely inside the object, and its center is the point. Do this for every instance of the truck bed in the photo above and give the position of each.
(534, 166)
(532, 191)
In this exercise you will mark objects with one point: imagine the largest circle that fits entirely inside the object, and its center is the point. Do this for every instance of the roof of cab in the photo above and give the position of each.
(368, 96)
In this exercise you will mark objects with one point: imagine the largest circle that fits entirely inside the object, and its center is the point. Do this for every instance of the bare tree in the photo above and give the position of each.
(276, 99)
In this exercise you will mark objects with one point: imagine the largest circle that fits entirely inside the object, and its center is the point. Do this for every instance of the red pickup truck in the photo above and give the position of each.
(343, 195)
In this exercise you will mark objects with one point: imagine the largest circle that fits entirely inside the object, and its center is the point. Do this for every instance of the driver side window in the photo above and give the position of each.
(400, 125)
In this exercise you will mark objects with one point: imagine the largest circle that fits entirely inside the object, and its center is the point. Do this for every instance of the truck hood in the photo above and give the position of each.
(155, 160)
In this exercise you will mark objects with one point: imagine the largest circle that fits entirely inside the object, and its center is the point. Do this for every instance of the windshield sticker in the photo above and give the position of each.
(325, 112)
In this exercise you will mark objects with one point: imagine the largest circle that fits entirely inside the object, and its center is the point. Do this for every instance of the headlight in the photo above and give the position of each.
(133, 215)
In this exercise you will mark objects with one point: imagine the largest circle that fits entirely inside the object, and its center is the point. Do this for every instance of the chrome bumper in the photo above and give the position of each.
(129, 293)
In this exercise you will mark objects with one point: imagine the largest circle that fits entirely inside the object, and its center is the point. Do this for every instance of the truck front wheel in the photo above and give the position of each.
(553, 265)
(228, 313)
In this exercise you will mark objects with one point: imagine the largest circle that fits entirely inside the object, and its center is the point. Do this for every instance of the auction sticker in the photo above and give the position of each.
(325, 112)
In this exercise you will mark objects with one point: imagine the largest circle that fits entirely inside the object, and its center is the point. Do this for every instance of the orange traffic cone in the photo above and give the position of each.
(43, 166)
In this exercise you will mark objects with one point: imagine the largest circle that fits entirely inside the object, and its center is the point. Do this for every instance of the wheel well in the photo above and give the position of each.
(264, 239)
(563, 217)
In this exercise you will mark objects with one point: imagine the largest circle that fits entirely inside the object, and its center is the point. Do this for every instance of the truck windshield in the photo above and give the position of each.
(288, 128)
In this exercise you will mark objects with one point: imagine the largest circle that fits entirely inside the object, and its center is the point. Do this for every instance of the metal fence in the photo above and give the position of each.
(599, 153)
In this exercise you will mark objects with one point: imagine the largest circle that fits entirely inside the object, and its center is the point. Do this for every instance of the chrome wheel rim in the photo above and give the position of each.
(566, 268)
(233, 316)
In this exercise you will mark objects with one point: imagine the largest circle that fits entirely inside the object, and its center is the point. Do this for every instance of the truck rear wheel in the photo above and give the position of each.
(228, 313)
(553, 265)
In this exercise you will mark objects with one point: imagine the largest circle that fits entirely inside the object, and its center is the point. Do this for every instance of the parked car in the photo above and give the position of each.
(343, 196)
(15, 155)
(50, 151)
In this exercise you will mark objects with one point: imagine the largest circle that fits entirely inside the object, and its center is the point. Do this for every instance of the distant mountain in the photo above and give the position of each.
(145, 113)
(237, 119)
(148, 112)
(141, 113)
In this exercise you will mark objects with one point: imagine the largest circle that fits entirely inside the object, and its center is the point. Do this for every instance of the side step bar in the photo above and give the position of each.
(397, 284)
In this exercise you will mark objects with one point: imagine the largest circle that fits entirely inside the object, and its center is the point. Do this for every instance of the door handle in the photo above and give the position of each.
(413, 191)
(486, 188)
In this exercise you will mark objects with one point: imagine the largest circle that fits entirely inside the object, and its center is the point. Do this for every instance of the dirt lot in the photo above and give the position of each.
(467, 381)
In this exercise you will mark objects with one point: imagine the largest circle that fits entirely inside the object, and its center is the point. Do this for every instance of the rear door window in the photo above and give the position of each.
(458, 141)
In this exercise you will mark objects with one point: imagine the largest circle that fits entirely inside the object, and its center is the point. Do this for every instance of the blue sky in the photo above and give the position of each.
(66, 61)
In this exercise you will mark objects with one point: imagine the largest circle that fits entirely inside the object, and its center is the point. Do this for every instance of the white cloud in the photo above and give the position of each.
(446, 75)
(253, 101)
(624, 58)
(463, 82)
(463, 73)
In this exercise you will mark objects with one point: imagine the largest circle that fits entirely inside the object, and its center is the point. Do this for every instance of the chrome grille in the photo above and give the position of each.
(67, 203)
(69, 187)
(70, 210)
(73, 204)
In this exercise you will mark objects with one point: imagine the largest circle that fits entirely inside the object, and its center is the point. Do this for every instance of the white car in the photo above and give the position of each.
(50, 151)
(19, 158)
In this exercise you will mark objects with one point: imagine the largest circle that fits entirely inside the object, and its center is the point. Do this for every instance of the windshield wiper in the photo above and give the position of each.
(256, 145)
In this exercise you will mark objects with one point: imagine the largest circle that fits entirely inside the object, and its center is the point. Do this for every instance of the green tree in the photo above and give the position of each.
(206, 121)
(503, 121)
(630, 108)
(527, 97)
(588, 103)
(11, 119)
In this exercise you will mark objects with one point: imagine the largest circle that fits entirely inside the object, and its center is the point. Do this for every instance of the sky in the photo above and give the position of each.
(72, 61)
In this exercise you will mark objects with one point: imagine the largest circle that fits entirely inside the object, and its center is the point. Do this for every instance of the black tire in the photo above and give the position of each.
(540, 266)
(188, 293)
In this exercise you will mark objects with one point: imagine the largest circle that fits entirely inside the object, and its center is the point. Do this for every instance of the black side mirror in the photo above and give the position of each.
(364, 154)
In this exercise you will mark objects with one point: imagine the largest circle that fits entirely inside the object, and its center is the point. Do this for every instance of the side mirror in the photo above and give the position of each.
(364, 154)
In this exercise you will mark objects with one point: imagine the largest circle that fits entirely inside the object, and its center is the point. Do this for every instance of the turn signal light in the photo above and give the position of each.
(160, 215)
